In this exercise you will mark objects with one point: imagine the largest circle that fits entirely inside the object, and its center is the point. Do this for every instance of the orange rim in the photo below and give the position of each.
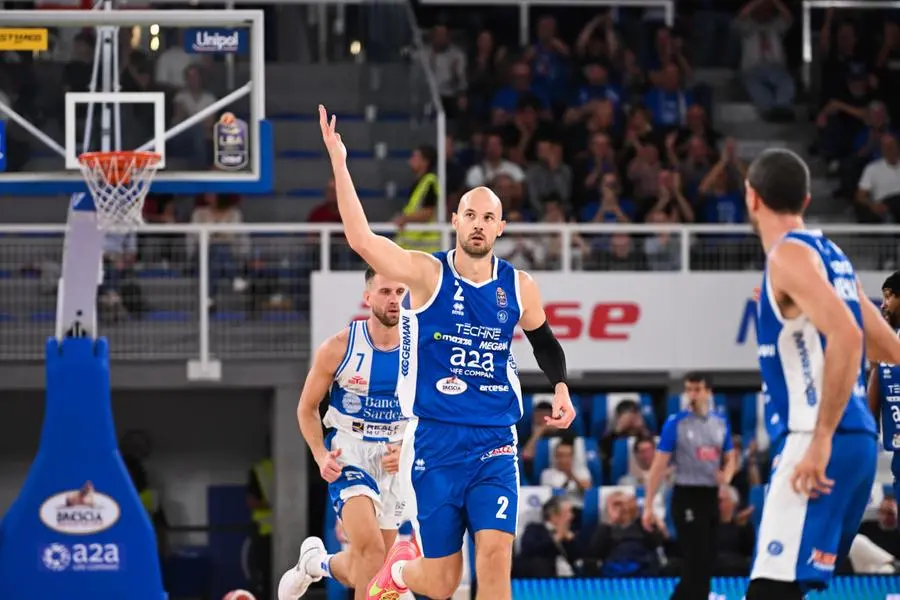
(120, 158)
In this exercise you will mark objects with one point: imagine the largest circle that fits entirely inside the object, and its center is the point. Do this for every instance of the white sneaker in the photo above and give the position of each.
(295, 582)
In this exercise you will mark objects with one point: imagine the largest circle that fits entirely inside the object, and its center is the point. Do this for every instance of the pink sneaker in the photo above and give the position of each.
(382, 587)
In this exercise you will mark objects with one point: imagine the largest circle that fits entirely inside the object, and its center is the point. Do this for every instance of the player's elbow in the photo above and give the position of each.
(849, 338)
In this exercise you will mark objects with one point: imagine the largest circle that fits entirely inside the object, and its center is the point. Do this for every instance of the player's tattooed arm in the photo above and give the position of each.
(419, 271)
(325, 364)
(882, 343)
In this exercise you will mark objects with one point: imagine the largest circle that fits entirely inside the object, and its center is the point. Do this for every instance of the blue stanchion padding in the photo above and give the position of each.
(862, 587)
(78, 530)
(226, 506)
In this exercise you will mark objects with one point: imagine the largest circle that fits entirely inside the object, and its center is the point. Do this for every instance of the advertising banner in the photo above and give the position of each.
(614, 321)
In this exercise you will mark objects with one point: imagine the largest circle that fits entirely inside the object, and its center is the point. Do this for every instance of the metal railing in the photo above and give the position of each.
(257, 277)
(525, 5)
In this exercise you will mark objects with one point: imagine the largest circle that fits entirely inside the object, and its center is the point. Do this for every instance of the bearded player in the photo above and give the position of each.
(358, 369)
(459, 386)
(884, 381)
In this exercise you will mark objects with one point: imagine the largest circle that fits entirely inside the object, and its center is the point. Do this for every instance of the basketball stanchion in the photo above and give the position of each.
(78, 529)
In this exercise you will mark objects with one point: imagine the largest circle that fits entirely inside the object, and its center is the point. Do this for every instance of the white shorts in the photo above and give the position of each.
(363, 475)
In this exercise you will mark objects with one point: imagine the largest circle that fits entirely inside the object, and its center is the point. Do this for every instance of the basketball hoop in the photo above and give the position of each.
(119, 183)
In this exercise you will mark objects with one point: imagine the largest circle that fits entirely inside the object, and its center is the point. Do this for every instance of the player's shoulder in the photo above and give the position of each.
(334, 348)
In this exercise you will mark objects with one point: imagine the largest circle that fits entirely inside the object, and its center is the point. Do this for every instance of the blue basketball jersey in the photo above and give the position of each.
(889, 397)
(456, 363)
(792, 351)
(363, 400)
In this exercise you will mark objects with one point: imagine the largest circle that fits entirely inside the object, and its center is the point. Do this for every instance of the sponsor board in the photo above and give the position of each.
(83, 511)
(24, 40)
(611, 321)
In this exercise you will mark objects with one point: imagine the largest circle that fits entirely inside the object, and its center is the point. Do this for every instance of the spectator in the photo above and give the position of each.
(763, 25)
(735, 536)
(644, 450)
(227, 250)
(887, 68)
(842, 59)
(549, 177)
(507, 98)
(512, 197)
(447, 63)
(634, 81)
(643, 173)
(720, 199)
(77, 72)
(539, 431)
(748, 473)
(485, 68)
(842, 118)
(639, 133)
(119, 296)
(627, 422)
(695, 164)
(623, 547)
(455, 173)
(601, 121)
(621, 255)
(196, 142)
(669, 199)
(697, 124)
(565, 475)
(662, 249)
(883, 530)
(600, 162)
(327, 210)
(549, 549)
(549, 60)
(866, 148)
(493, 164)
(523, 133)
(598, 40)
(597, 88)
(172, 64)
(612, 208)
(421, 206)
(879, 188)
(137, 77)
(668, 52)
(553, 243)
(668, 101)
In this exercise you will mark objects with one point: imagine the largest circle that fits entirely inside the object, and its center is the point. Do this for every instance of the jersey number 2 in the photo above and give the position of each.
(503, 503)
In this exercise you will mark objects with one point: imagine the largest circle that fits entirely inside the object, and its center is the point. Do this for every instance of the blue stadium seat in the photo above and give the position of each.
(679, 402)
(585, 448)
(603, 407)
(529, 401)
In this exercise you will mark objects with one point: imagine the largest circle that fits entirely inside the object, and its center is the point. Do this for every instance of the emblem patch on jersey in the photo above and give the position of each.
(824, 561)
(508, 450)
(451, 386)
(895, 440)
(501, 298)
(357, 384)
(502, 316)
(352, 403)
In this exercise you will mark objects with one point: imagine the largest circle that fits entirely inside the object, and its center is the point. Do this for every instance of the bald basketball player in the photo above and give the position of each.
(459, 387)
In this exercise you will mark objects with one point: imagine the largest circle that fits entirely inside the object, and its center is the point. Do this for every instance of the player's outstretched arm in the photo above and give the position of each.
(386, 257)
(796, 271)
(547, 350)
(325, 364)
(882, 343)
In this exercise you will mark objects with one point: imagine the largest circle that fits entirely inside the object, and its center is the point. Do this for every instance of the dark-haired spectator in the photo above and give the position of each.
(601, 120)
(763, 25)
(447, 63)
(668, 101)
(693, 165)
(507, 97)
(883, 530)
(600, 161)
(549, 60)
(486, 67)
(566, 475)
(719, 195)
(843, 117)
(549, 549)
(639, 132)
(878, 194)
(634, 80)
(611, 207)
(596, 88)
(866, 148)
(628, 421)
(644, 449)
(421, 206)
(843, 56)
(669, 199)
(887, 67)
(549, 177)
(598, 41)
(542, 252)
(643, 173)
(697, 124)
(668, 51)
(522, 134)
(539, 431)
(512, 197)
(493, 164)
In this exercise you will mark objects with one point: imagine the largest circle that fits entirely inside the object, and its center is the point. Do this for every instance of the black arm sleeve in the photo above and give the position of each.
(548, 352)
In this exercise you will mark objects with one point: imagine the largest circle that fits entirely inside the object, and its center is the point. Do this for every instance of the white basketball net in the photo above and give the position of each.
(119, 183)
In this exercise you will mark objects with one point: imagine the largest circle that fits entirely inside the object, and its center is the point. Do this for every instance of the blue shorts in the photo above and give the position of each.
(895, 471)
(460, 478)
(803, 539)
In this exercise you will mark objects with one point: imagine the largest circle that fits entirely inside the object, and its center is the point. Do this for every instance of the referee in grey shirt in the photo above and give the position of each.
(697, 442)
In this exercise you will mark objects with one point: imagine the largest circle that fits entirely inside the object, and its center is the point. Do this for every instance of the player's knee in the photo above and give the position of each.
(493, 559)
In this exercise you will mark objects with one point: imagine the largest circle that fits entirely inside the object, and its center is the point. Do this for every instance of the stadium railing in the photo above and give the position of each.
(524, 6)
(260, 276)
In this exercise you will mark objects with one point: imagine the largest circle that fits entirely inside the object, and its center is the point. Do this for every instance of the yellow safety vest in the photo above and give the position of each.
(265, 475)
(424, 241)
(150, 501)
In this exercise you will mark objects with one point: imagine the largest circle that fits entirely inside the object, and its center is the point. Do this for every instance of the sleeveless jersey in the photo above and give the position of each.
(792, 351)
(363, 400)
(456, 363)
(889, 397)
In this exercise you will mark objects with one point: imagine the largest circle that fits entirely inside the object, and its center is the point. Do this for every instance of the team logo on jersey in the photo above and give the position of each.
(352, 403)
(451, 386)
(501, 298)
(357, 384)
(502, 316)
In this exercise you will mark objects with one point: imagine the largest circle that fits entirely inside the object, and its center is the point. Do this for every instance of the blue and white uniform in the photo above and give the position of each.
(460, 388)
(802, 539)
(364, 412)
(889, 399)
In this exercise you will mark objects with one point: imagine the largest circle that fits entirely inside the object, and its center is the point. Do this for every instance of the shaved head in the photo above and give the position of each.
(478, 221)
